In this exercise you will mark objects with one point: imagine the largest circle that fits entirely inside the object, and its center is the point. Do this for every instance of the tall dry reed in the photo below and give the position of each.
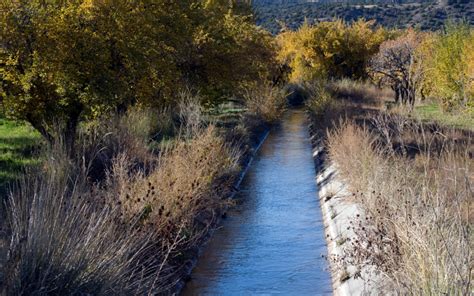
(132, 230)
(417, 228)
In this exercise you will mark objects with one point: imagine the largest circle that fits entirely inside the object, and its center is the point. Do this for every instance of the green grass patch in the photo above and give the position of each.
(433, 112)
(19, 145)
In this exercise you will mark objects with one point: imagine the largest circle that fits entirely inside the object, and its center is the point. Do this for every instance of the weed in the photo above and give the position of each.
(417, 228)
(129, 231)
(342, 240)
(265, 101)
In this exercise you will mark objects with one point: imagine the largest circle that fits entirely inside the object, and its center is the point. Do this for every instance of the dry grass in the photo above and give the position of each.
(324, 106)
(418, 210)
(191, 180)
(100, 141)
(328, 102)
(360, 92)
(64, 242)
(266, 101)
(132, 230)
(320, 99)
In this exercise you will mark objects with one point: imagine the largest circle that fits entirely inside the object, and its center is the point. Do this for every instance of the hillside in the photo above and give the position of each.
(426, 15)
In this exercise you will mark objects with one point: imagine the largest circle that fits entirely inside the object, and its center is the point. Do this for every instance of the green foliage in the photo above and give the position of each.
(452, 66)
(433, 112)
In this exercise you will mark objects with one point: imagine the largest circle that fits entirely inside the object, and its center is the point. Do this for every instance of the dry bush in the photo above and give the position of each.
(266, 101)
(182, 198)
(132, 232)
(417, 223)
(63, 241)
(166, 124)
(319, 98)
(190, 114)
(100, 141)
(184, 184)
(324, 109)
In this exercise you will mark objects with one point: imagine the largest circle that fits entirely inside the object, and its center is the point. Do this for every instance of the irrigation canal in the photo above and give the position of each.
(273, 241)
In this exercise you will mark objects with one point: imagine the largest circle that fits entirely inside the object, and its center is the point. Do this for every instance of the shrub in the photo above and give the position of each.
(320, 100)
(359, 91)
(66, 242)
(265, 101)
(100, 141)
(417, 222)
(184, 185)
(130, 232)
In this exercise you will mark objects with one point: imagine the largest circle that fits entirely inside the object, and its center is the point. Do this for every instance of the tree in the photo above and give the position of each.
(398, 65)
(452, 66)
(65, 61)
(228, 51)
(62, 62)
(330, 49)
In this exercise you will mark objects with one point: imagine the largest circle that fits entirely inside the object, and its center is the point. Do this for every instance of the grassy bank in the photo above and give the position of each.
(127, 214)
(413, 181)
(18, 149)
(432, 112)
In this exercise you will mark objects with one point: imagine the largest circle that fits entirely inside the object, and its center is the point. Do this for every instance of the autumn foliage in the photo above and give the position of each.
(420, 64)
(63, 62)
(330, 49)
(451, 67)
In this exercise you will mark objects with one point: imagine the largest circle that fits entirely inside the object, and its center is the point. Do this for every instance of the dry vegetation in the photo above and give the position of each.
(267, 102)
(119, 218)
(414, 182)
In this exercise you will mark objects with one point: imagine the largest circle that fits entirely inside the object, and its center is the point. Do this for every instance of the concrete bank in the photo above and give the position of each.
(338, 211)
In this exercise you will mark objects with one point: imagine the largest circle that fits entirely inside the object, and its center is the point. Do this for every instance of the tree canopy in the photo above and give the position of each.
(64, 61)
(451, 66)
(330, 49)
(399, 65)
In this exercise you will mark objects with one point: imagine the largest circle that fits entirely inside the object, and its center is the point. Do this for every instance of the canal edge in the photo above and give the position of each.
(338, 211)
(261, 135)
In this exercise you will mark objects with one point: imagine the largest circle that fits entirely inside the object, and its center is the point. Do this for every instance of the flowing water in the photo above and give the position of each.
(273, 241)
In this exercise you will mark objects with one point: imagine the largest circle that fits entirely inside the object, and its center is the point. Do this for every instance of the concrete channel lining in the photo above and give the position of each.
(338, 210)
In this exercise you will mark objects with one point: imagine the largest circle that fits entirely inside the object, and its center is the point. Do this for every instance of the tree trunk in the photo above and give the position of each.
(411, 96)
(404, 94)
(397, 93)
(40, 127)
(70, 129)
(68, 132)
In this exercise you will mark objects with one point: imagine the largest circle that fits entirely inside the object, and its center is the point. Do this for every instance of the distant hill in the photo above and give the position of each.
(423, 14)
(286, 2)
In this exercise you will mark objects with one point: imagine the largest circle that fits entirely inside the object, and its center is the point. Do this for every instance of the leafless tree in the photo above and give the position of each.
(398, 66)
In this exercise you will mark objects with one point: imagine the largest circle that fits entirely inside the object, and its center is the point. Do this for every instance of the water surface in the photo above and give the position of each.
(273, 241)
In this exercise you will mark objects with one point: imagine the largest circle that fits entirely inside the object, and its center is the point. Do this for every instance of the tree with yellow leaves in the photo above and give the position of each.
(67, 61)
(452, 66)
(228, 51)
(330, 49)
